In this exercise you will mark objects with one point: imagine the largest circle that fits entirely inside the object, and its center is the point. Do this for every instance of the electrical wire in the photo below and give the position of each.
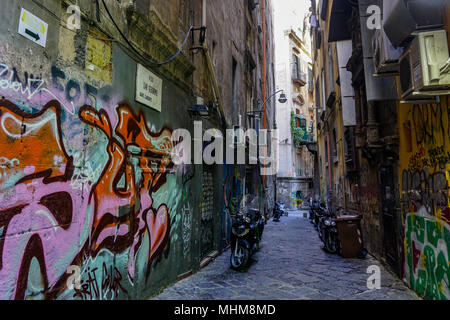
(134, 48)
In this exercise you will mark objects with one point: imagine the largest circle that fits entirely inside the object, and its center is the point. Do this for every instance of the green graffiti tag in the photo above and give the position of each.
(427, 257)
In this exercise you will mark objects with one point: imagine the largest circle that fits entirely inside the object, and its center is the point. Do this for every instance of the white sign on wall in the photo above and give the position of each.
(33, 28)
(148, 88)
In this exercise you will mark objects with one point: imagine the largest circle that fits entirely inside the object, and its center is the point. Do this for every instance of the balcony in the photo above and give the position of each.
(299, 78)
(301, 135)
(305, 175)
(303, 138)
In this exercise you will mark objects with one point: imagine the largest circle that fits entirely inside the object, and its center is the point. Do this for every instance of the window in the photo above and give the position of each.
(323, 89)
(334, 143)
(330, 71)
(295, 67)
(318, 103)
(310, 80)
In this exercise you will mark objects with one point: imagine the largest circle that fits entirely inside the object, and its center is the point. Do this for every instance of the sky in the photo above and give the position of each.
(290, 13)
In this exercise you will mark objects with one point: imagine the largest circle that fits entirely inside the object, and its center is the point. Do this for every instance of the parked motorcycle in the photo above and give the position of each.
(283, 211)
(318, 213)
(246, 234)
(312, 211)
(277, 212)
(328, 231)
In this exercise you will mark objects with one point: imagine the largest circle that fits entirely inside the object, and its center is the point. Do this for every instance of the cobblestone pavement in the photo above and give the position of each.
(290, 265)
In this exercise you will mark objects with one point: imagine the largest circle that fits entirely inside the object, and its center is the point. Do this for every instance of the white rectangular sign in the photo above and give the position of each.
(148, 88)
(33, 28)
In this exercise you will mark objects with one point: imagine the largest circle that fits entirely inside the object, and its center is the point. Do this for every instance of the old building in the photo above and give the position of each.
(382, 93)
(296, 117)
(91, 93)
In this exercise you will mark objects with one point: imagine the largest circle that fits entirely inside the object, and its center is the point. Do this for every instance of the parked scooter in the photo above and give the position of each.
(246, 234)
(277, 212)
(283, 211)
(318, 213)
(328, 231)
(312, 211)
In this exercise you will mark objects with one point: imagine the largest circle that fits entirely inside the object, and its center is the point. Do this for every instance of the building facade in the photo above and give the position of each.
(383, 138)
(93, 205)
(296, 117)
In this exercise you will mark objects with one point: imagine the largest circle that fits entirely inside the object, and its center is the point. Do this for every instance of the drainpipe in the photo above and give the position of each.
(204, 13)
(211, 72)
(214, 83)
(263, 13)
(329, 163)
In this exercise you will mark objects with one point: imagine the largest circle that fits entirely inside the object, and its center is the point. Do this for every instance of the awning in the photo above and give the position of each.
(341, 14)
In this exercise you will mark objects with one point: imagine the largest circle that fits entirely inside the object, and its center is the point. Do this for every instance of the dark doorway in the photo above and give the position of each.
(389, 217)
(207, 210)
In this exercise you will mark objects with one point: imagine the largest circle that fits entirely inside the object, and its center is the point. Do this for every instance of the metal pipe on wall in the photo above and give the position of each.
(204, 13)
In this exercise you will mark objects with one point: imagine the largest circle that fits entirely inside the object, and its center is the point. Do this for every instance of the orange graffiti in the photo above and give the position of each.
(34, 141)
(140, 162)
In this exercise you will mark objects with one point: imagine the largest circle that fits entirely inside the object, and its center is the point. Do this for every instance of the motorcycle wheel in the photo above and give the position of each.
(320, 231)
(239, 261)
(331, 242)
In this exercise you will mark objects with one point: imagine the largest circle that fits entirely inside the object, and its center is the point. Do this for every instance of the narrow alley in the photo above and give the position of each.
(290, 266)
(140, 140)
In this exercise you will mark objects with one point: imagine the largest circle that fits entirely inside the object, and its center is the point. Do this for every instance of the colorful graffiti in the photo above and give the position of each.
(422, 189)
(143, 161)
(44, 219)
(428, 251)
(233, 196)
(100, 282)
(425, 181)
(37, 202)
(297, 198)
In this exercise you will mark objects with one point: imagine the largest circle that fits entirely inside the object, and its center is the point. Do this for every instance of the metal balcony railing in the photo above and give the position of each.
(303, 139)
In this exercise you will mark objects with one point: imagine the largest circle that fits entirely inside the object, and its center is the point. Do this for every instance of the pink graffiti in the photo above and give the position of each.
(44, 220)
(44, 217)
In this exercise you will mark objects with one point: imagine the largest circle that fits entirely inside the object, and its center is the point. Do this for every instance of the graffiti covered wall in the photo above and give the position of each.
(425, 180)
(91, 206)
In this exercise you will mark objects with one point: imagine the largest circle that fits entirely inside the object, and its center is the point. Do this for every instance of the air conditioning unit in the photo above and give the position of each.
(432, 73)
(424, 68)
(402, 18)
(385, 56)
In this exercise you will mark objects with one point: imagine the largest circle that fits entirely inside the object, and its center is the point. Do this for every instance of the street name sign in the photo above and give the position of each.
(148, 88)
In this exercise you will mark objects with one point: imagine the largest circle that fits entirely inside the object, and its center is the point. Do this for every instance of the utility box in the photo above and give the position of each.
(349, 229)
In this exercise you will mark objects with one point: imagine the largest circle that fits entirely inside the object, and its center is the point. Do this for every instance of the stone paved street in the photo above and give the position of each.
(290, 265)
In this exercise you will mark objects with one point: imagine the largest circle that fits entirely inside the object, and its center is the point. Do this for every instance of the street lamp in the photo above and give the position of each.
(282, 99)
